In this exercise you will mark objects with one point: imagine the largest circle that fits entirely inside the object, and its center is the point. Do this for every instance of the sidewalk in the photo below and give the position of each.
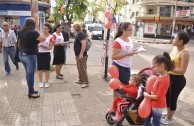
(64, 103)
(151, 40)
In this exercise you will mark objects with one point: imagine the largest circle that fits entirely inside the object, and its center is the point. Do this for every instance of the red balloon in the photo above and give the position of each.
(109, 24)
(113, 71)
(108, 15)
(114, 83)
(144, 108)
(150, 83)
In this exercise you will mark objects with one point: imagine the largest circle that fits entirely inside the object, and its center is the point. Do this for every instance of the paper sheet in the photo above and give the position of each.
(140, 49)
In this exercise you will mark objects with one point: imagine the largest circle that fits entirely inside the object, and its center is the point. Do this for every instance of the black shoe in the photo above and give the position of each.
(35, 92)
(17, 67)
(33, 96)
(61, 75)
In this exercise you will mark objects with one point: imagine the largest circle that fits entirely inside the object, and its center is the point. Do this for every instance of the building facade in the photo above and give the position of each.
(16, 11)
(154, 18)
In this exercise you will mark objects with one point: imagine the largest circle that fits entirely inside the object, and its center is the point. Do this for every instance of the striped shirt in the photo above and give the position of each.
(9, 40)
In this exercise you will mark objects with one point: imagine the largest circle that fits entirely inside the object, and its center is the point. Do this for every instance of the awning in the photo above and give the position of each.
(166, 20)
(21, 5)
(165, 3)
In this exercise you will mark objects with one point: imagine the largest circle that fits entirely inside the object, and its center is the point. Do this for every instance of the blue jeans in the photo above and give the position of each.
(156, 113)
(9, 51)
(29, 62)
(65, 50)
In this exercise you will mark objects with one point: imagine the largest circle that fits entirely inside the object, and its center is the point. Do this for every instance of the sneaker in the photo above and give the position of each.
(164, 115)
(84, 85)
(166, 121)
(59, 77)
(78, 82)
(116, 118)
(41, 84)
(46, 85)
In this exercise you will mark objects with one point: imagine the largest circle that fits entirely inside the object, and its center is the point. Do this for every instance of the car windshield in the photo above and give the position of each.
(97, 28)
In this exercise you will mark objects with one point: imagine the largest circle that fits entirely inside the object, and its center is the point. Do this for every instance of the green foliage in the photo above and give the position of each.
(96, 7)
(116, 5)
(74, 10)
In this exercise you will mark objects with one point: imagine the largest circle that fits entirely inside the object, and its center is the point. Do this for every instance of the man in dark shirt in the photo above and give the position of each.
(66, 39)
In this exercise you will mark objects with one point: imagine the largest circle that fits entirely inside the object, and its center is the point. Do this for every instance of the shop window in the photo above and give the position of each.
(165, 11)
(137, 13)
(133, 1)
(150, 11)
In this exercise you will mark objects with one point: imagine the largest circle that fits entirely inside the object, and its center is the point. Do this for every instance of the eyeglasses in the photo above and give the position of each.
(129, 30)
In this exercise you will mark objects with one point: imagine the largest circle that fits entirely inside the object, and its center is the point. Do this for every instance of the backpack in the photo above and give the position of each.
(88, 43)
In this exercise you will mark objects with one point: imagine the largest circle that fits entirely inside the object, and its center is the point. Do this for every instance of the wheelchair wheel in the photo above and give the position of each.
(109, 119)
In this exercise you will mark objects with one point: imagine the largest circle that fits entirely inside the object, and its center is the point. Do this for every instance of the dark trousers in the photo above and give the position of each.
(177, 83)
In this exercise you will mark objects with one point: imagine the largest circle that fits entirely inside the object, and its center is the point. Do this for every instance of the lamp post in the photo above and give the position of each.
(34, 12)
(174, 21)
(156, 19)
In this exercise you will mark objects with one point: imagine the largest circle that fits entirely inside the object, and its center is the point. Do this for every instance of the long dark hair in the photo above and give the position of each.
(57, 26)
(122, 26)
(29, 24)
(166, 60)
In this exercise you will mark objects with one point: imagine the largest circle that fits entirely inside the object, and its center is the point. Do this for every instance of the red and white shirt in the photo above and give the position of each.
(45, 43)
(124, 47)
(58, 38)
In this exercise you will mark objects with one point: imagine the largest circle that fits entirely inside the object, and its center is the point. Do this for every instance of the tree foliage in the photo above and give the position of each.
(116, 5)
(96, 7)
(73, 10)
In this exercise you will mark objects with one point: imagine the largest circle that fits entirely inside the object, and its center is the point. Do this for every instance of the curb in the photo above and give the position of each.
(154, 42)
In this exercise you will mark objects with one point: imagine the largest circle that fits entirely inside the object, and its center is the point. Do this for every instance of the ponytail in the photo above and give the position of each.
(166, 60)
(169, 64)
(121, 27)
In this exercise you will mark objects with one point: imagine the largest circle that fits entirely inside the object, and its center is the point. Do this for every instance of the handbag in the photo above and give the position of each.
(16, 57)
(88, 43)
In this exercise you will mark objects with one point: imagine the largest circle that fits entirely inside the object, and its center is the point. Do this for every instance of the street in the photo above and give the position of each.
(64, 103)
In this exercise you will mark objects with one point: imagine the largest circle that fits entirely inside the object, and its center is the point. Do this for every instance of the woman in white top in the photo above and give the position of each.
(58, 60)
(44, 57)
(122, 51)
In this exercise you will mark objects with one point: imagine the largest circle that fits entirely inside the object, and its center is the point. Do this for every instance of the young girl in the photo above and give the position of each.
(162, 64)
(130, 90)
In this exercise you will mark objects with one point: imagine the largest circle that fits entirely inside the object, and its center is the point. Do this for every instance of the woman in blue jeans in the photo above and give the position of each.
(29, 39)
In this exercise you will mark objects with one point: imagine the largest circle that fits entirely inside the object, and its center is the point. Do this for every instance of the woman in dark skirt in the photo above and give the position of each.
(58, 60)
(44, 57)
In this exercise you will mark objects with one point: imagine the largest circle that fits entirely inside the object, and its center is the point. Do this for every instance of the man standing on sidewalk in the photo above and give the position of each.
(7, 46)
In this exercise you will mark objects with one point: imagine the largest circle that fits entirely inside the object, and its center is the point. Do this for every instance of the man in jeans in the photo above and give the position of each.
(7, 46)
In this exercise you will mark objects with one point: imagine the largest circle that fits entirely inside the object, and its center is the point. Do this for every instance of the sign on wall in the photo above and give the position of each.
(183, 13)
(150, 28)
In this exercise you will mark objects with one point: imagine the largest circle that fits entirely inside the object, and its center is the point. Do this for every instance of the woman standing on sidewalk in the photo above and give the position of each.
(122, 51)
(44, 56)
(58, 60)
(81, 56)
(180, 56)
(29, 40)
